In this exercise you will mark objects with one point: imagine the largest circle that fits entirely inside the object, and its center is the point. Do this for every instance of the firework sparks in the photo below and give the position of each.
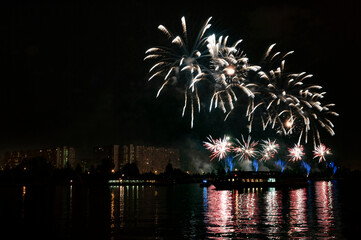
(269, 149)
(229, 69)
(296, 153)
(287, 103)
(180, 63)
(245, 150)
(218, 147)
(321, 151)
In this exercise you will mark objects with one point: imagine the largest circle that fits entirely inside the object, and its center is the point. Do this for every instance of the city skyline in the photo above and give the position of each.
(147, 158)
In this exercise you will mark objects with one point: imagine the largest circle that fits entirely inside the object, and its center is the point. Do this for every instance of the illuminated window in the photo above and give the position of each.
(271, 180)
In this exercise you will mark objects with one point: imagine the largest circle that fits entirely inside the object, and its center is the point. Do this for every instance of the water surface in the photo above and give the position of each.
(324, 209)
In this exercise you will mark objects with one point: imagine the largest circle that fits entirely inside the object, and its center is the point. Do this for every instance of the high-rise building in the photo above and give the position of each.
(110, 152)
(59, 157)
(147, 158)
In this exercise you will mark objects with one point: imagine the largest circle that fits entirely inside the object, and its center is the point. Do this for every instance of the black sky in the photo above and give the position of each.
(73, 72)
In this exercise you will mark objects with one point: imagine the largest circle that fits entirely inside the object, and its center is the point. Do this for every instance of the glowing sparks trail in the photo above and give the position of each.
(180, 63)
(245, 150)
(229, 70)
(207, 66)
(248, 154)
(296, 153)
(321, 151)
(218, 147)
(269, 149)
(288, 104)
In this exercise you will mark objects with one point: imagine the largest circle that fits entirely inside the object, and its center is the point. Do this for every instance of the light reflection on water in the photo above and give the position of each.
(228, 214)
(296, 213)
(183, 211)
(324, 208)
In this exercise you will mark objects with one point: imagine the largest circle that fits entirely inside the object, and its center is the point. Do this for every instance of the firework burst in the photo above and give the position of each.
(321, 151)
(269, 149)
(229, 70)
(246, 149)
(218, 147)
(287, 103)
(180, 63)
(296, 153)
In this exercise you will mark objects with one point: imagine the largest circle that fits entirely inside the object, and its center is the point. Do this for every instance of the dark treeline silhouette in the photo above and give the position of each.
(39, 170)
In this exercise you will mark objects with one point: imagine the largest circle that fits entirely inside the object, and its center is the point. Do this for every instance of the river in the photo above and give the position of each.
(323, 210)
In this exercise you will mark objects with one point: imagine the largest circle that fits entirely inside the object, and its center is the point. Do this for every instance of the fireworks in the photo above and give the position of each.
(180, 63)
(285, 101)
(269, 149)
(296, 153)
(248, 154)
(229, 70)
(321, 151)
(218, 147)
(245, 150)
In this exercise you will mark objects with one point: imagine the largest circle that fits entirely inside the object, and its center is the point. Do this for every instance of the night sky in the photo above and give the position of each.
(73, 74)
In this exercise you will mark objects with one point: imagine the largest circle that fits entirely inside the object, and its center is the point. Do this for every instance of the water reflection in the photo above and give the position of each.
(231, 213)
(133, 208)
(218, 217)
(324, 208)
(247, 218)
(273, 213)
(172, 212)
(23, 202)
(298, 213)
(116, 207)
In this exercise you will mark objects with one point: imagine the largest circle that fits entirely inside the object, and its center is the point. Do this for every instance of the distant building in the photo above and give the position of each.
(58, 157)
(147, 158)
(155, 159)
(110, 152)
